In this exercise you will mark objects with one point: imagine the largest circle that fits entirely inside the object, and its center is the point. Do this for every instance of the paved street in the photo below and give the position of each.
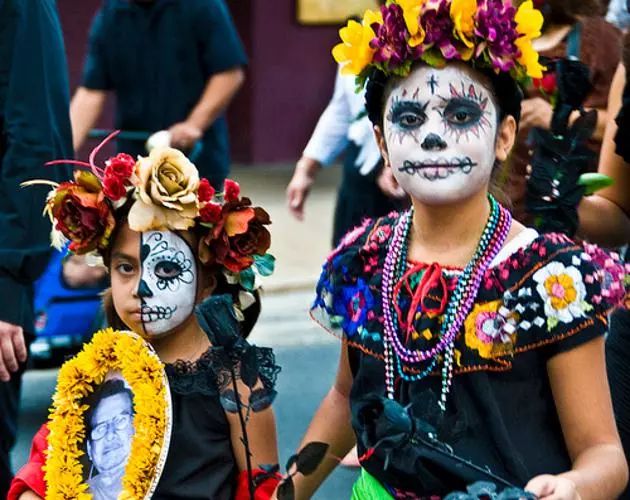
(308, 357)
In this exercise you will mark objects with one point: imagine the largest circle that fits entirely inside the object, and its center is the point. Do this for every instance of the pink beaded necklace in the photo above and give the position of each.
(459, 305)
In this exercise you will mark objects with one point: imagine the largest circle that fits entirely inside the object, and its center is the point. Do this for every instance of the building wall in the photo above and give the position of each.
(289, 79)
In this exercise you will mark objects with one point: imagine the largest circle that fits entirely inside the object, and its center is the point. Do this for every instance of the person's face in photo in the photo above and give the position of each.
(110, 433)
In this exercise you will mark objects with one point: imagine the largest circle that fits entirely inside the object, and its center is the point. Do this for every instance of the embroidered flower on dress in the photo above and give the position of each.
(353, 304)
(563, 292)
(490, 329)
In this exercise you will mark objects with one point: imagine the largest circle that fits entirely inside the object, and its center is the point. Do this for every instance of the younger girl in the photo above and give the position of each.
(170, 242)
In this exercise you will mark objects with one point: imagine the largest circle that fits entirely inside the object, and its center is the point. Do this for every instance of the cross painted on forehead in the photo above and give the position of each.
(433, 83)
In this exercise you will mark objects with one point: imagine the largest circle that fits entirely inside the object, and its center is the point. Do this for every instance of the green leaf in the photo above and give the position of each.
(593, 182)
(265, 264)
(247, 278)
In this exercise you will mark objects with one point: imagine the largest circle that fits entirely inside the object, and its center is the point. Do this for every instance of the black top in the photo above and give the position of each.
(157, 58)
(200, 464)
(34, 129)
(541, 297)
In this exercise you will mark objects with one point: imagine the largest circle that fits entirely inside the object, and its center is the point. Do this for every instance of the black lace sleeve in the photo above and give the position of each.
(237, 366)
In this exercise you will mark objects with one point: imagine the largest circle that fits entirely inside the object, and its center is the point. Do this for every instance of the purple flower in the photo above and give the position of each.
(495, 24)
(391, 38)
(438, 25)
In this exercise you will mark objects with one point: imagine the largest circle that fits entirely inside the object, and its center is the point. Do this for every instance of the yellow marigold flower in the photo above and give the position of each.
(411, 12)
(529, 58)
(355, 52)
(463, 16)
(529, 20)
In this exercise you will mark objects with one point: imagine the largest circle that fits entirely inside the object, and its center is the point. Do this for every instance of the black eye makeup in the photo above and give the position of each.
(465, 112)
(407, 115)
(462, 113)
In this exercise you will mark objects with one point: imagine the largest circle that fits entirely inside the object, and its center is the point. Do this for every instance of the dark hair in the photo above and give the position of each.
(559, 12)
(105, 390)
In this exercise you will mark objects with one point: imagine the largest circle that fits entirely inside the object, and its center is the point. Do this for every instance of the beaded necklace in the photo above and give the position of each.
(459, 305)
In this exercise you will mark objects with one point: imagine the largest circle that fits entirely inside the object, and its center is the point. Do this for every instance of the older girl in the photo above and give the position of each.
(470, 340)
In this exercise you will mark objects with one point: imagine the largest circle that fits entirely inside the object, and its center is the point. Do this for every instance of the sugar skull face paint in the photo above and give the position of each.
(168, 283)
(439, 128)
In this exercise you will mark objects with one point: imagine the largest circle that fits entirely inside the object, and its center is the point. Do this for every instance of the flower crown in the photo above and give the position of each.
(165, 193)
(487, 33)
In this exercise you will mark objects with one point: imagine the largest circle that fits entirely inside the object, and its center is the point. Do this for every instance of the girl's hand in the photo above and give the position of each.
(548, 487)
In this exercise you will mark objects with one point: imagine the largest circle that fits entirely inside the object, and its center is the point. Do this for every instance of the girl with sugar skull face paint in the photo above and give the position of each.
(467, 336)
(162, 233)
(168, 283)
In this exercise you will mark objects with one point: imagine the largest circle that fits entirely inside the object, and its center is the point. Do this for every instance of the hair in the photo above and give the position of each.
(506, 91)
(107, 389)
(213, 274)
(560, 12)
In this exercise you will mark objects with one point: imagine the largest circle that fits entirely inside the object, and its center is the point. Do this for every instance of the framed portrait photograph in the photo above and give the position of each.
(111, 407)
(314, 12)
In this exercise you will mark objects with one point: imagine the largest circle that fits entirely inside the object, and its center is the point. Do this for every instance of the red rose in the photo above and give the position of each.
(231, 190)
(547, 83)
(237, 237)
(116, 176)
(82, 213)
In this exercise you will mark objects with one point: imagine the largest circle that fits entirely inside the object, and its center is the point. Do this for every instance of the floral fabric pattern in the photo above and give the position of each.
(542, 294)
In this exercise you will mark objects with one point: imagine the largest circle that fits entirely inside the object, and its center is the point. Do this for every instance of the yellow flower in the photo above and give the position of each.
(561, 290)
(463, 16)
(355, 52)
(529, 58)
(485, 332)
(529, 20)
(115, 351)
(529, 23)
(411, 12)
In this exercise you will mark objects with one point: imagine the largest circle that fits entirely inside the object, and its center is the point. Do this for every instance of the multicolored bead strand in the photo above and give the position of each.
(459, 306)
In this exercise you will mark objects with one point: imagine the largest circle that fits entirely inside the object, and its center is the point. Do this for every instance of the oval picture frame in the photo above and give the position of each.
(113, 363)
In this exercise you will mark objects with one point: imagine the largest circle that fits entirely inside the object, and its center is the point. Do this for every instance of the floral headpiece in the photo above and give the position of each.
(165, 193)
(486, 33)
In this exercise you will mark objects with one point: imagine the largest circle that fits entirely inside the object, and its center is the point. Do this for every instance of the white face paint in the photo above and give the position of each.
(168, 283)
(440, 127)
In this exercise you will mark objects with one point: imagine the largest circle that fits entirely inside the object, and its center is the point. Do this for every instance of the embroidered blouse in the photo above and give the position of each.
(541, 296)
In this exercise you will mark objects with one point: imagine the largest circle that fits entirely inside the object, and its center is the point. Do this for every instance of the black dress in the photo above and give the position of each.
(540, 298)
(200, 464)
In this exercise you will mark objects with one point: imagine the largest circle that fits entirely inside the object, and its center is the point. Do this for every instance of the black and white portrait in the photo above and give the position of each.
(109, 433)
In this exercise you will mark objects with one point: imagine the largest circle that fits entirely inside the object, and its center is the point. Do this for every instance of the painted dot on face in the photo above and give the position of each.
(440, 128)
(168, 282)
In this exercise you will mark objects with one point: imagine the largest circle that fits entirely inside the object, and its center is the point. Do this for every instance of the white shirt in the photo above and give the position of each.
(340, 124)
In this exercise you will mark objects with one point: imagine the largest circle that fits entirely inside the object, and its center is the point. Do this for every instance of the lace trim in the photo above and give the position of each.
(213, 372)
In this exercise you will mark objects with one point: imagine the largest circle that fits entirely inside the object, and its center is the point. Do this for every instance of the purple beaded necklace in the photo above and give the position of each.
(459, 305)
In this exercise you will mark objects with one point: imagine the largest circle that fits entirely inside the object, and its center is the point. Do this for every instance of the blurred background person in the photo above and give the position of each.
(572, 28)
(34, 127)
(172, 65)
(367, 189)
(618, 14)
(605, 219)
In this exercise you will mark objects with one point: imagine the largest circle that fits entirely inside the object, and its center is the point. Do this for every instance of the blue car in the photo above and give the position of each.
(65, 317)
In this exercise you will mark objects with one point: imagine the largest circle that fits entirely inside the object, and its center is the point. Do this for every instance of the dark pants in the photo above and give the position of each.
(9, 407)
(617, 356)
(359, 197)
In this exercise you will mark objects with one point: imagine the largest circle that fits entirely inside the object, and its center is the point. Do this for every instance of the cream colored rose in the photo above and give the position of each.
(167, 184)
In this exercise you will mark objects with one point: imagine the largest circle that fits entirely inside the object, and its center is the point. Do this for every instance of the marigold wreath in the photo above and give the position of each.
(108, 351)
